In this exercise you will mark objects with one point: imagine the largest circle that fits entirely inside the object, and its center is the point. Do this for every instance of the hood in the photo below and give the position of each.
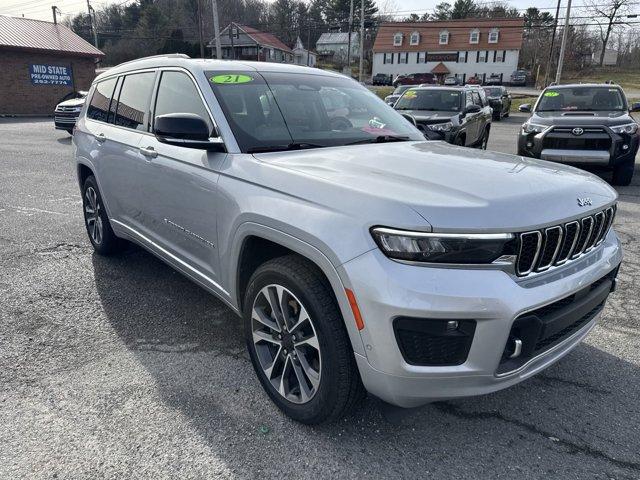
(75, 102)
(452, 188)
(428, 116)
(609, 118)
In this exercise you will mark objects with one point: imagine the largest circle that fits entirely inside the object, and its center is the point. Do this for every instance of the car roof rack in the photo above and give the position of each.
(164, 55)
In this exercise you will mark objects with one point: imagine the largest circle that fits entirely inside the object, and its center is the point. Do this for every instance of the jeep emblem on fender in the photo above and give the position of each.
(577, 131)
(583, 202)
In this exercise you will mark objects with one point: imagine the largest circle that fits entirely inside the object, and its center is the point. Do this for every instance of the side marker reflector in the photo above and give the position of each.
(355, 309)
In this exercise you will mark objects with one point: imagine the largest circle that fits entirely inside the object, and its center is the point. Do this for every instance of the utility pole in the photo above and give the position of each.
(92, 23)
(553, 41)
(216, 29)
(200, 35)
(361, 40)
(565, 34)
(349, 37)
(309, 46)
(53, 9)
(233, 49)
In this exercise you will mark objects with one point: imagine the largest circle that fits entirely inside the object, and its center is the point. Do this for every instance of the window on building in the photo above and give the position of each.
(481, 56)
(403, 57)
(99, 106)
(463, 57)
(178, 94)
(444, 37)
(388, 58)
(493, 36)
(414, 39)
(474, 36)
(499, 56)
(397, 39)
(422, 57)
(133, 101)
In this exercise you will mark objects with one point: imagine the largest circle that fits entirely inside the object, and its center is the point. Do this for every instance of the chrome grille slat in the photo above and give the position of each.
(539, 250)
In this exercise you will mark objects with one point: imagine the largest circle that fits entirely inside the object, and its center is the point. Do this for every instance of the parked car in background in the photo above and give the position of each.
(499, 100)
(67, 111)
(452, 80)
(474, 81)
(493, 79)
(382, 79)
(584, 125)
(391, 99)
(519, 78)
(457, 115)
(415, 79)
(358, 259)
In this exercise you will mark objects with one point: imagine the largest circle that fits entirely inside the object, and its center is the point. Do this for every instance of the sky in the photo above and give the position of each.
(41, 9)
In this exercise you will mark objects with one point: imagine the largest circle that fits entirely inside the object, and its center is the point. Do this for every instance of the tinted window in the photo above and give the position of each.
(133, 101)
(178, 94)
(581, 99)
(431, 99)
(99, 106)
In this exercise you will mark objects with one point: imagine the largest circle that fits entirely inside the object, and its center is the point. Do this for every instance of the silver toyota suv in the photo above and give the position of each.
(360, 256)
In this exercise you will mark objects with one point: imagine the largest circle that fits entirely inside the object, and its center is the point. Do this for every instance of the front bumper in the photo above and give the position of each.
(65, 121)
(386, 290)
(604, 149)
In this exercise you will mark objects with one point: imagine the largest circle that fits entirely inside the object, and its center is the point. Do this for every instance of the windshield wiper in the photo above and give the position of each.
(282, 148)
(381, 139)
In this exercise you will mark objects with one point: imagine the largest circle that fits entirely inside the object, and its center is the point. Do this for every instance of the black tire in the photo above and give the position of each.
(623, 173)
(70, 131)
(459, 140)
(339, 389)
(497, 117)
(106, 243)
(484, 141)
(506, 114)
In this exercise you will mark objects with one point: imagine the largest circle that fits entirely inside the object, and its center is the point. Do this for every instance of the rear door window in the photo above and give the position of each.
(99, 106)
(178, 94)
(133, 102)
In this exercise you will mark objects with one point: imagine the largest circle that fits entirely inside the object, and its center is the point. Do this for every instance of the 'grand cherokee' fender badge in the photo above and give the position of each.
(584, 201)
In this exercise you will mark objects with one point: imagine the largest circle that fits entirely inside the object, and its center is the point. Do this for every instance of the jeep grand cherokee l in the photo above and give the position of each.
(584, 125)
(360, 256)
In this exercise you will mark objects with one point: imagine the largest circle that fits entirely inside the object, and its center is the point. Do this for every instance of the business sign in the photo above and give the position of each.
(50, 75)
(442, 57)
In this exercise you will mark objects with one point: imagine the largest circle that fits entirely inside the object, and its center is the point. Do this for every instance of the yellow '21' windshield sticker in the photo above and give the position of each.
(551, 94)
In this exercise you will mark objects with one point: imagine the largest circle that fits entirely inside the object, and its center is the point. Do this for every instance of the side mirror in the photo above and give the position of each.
(410, 119)
(635, 107)
(525, 107)
(186, 130)
(472, 109)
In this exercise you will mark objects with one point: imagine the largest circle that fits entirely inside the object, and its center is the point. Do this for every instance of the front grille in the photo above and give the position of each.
(541, 249)
(592, 138)
(430, 342)
(543, 328)
(65, 109)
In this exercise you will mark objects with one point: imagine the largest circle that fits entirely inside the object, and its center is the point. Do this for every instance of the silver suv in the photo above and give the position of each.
(360, 256)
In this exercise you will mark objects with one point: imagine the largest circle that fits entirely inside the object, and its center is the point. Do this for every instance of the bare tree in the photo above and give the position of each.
(606, 16)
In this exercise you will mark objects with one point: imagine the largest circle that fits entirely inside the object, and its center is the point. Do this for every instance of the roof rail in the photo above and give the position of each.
(165, 55)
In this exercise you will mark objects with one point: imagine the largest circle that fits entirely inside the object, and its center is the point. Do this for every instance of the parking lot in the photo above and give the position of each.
(121, 367)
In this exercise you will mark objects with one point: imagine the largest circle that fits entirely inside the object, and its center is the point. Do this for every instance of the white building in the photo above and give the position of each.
(334, 46)
(464, 48)
(302, 56)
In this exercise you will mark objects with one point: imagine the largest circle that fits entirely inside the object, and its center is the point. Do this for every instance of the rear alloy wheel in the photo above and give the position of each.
(298, 343)
(99, 229)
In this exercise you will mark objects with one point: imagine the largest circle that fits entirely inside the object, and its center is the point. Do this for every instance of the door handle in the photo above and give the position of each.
(101, 137)
(148, 152)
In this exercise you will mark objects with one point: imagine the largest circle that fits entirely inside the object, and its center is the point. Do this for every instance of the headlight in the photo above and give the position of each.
(533, 128)
(440, 127)
(451, 248)
(629, 128)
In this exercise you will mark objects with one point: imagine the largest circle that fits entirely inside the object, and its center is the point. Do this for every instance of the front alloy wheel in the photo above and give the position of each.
(286, 343)
(92, 215)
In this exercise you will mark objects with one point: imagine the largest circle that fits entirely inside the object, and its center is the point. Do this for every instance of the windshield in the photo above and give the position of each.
(493, 92)
(430, 99)
(579, 99)
(277, 111)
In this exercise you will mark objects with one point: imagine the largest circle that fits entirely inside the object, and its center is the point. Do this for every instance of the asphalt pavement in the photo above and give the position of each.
(121, 368)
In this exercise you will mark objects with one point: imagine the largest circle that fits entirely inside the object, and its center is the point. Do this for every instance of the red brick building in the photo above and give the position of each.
(40, 62)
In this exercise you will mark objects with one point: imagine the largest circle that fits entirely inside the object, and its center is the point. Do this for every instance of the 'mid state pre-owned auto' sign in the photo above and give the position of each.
(50, 75)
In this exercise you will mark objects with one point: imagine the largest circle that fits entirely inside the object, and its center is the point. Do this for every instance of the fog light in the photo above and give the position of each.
(452, 325)
(529, 144)
(625, 147)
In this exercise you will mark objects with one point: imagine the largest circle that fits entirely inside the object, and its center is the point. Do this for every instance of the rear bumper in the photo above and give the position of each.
(386, 290)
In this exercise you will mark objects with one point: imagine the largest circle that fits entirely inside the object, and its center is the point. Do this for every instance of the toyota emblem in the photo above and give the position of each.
(577, 131)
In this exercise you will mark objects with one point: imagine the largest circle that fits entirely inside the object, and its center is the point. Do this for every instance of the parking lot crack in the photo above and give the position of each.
(571, 446)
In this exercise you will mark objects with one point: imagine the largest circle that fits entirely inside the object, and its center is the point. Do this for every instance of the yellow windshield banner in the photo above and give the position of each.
(231, 79)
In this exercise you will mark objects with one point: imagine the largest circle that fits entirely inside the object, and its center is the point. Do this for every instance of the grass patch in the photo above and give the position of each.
(627, 80)
(383, 91)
